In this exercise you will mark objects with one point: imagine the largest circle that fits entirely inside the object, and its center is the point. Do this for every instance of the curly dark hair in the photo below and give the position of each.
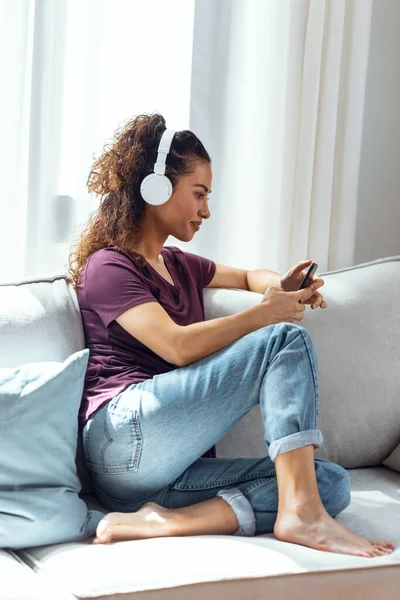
(116, 176)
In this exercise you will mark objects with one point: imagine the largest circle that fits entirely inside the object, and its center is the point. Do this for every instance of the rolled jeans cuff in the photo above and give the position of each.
(295, 441)
(243, 510)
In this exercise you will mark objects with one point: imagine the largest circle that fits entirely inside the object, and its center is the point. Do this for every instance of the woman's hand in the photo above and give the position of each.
(291, 281)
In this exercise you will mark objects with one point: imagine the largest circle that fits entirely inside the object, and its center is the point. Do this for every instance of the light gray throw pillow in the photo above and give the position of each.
(39, 485)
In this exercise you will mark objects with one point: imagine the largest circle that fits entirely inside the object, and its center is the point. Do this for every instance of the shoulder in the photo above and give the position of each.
(173, 250)
(111, 256)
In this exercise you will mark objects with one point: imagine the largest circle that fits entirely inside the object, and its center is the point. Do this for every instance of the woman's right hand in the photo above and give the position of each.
(285, 306)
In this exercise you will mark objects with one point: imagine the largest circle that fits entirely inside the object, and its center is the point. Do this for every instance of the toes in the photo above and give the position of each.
(380, 543)
(103, 531)
(364, 554)
(379, 551)
(385, 547)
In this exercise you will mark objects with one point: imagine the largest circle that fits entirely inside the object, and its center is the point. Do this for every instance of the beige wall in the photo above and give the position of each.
(378, 217)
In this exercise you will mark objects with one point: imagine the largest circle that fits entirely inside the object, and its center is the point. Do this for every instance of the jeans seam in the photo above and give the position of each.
(132, 464)
(243, 479)
(314, 378)
(256, 485)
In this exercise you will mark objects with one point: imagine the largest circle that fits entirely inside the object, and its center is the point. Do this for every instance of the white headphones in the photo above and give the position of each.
(156, 188)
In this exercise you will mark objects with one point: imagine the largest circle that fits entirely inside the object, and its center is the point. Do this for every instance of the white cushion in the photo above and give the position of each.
(125, 568)
(19, 582)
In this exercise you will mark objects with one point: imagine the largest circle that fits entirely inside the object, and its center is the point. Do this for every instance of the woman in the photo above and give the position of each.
(163, 385)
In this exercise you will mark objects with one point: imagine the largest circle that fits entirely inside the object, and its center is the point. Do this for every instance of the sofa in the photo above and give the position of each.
(357, 341)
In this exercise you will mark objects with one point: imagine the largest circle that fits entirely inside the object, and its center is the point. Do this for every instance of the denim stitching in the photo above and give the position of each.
(223, 482)
(139, 439)
(133, 464)
(258, 484)
(110, 440)
(314, 377)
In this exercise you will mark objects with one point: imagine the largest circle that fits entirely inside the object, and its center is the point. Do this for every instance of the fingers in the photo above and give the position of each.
(303, 263)
(318, 282)
(318, 300)
(314, 299)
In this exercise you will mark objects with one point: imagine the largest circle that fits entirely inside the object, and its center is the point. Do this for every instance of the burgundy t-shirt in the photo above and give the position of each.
(110, 284)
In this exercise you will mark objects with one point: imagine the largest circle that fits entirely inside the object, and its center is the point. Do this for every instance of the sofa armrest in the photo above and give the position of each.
(222, 302)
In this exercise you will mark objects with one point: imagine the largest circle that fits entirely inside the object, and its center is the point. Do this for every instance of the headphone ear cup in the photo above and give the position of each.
(156, 189)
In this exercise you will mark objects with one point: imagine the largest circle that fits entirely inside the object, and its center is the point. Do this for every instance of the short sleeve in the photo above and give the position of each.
(112, 284)
(203, 268)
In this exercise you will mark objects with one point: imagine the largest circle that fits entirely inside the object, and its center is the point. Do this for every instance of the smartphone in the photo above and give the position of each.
(309, 276)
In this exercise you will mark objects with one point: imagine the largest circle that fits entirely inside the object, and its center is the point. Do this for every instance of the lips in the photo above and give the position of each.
(195, 226)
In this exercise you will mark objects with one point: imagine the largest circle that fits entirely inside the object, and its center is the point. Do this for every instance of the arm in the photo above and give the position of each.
(182, 345)
(201, 339)
(257, 280)
(261, 279)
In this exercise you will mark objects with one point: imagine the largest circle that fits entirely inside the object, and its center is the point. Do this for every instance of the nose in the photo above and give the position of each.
(206, 212)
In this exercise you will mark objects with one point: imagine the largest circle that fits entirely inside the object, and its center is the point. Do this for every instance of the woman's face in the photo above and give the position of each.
(188, 203)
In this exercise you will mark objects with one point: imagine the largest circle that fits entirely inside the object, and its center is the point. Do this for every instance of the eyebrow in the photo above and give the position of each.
(203, 186)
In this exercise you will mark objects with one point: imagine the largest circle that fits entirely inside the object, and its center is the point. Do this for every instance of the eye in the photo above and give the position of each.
(201, 195)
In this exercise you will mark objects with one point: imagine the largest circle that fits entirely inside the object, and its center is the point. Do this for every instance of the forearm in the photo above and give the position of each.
(201, 339)
(259, 280)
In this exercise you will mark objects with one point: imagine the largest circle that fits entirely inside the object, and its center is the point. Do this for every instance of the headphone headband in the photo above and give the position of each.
(163, 149)
(156, 188)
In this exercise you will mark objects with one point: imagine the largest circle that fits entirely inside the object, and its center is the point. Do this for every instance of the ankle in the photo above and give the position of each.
(211, 517)
(302, 508)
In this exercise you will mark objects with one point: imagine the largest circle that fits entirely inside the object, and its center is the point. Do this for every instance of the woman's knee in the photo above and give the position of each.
(334, 486)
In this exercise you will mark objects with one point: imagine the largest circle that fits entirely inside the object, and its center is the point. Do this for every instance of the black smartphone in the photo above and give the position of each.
(309, 276)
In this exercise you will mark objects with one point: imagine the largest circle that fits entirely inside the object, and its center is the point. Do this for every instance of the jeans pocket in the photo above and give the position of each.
(113, 440)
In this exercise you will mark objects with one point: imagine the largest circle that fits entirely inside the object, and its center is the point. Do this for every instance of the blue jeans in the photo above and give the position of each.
(146, 443)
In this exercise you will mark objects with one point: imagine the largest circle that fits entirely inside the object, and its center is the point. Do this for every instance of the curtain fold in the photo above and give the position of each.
(277, 97)
(73, 72)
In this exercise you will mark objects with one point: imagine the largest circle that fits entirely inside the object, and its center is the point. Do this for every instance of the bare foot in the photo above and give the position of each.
(151, 520)
(322, 532)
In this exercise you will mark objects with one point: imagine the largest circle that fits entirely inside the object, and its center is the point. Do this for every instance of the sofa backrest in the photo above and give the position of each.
(357, 342)
(39, 321)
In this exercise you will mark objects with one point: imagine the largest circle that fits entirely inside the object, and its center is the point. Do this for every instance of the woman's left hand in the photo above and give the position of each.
(290, 282)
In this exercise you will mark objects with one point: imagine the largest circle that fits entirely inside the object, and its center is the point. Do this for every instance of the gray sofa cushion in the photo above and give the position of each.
(39, 321)
(393, 460)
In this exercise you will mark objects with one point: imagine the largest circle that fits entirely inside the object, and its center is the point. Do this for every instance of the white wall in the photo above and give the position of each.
(378, 217)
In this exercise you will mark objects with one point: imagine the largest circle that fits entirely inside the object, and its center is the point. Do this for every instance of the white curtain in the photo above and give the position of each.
(274, 89)
(277, 97)
(72, 72)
